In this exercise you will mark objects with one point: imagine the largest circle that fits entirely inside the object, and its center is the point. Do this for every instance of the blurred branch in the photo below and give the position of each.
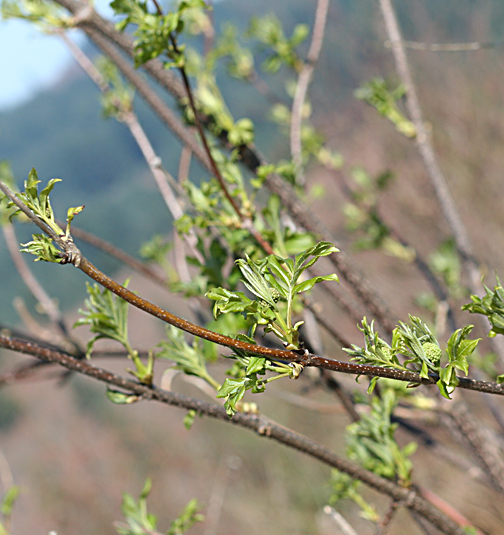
(340, 521)
(35, 287)
(384, 523)
(119, 254)
(304, 80)
(448, 47)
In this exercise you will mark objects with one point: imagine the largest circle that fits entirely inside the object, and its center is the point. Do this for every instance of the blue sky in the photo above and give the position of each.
(29, 60)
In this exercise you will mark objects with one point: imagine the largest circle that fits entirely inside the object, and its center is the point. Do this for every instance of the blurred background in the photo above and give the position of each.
(72, 452)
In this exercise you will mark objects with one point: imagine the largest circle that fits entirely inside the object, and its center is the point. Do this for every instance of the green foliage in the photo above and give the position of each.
(344, 487)
(371, 442)
(269, 32)
(490, 305)
(117, 99)
(240, 60)
(42, 246)
(312, 141)
(155, 30)
(377, 94)
(272, 280)
(7, 505)
(188, 359)
(362, 215)
(140, 522)
(107, 316)
(47, 15)
(446, 262)
(287, 241)
(421, 349)
(186, 519)
(245, 374)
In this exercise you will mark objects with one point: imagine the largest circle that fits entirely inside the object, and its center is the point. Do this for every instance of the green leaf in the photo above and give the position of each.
(377, 94)
(308, 284)
(189, 419)
(139, 520)
(226, 301)
(107, 316)
(43, 248)
(186, 519)
(255, 280)
(188, 359)
(9, 499)
(317, 251)
(233, 390)
(121, 398)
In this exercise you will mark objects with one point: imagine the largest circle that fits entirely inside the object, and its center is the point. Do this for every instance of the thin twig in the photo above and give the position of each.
(246, 222)
(304, 79)
(387, 517)
(339, 520)
(482, 449)
(119, 254)
(448, 47)
(427, 153)
(30, 280)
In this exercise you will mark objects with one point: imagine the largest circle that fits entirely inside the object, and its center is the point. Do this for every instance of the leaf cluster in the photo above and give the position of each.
(245, 375)
(269, 32)
(273, 280)
(48, 16)
(155, 30)
(107, 316)
(422, 351)
(42, 246)
(371, 442)
(362, 215)
(188, 358)
(377, 94)
(140, 522)
(117, 99)
(6, 507)
(490, 305)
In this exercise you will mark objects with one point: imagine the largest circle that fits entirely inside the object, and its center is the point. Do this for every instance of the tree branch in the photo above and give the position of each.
(304, 79)
(260, 424)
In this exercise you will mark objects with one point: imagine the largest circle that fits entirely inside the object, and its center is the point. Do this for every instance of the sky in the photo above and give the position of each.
(29, 60)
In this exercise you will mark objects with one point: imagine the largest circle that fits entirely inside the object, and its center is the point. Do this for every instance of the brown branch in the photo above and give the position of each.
(161, 110)
(246, 222)
(73, 255)
(257, 423)
(484, 451)
(130, 119)
(387, 517)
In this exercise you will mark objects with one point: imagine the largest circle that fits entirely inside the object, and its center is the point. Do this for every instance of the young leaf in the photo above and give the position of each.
(188, 359)
(107, 316)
